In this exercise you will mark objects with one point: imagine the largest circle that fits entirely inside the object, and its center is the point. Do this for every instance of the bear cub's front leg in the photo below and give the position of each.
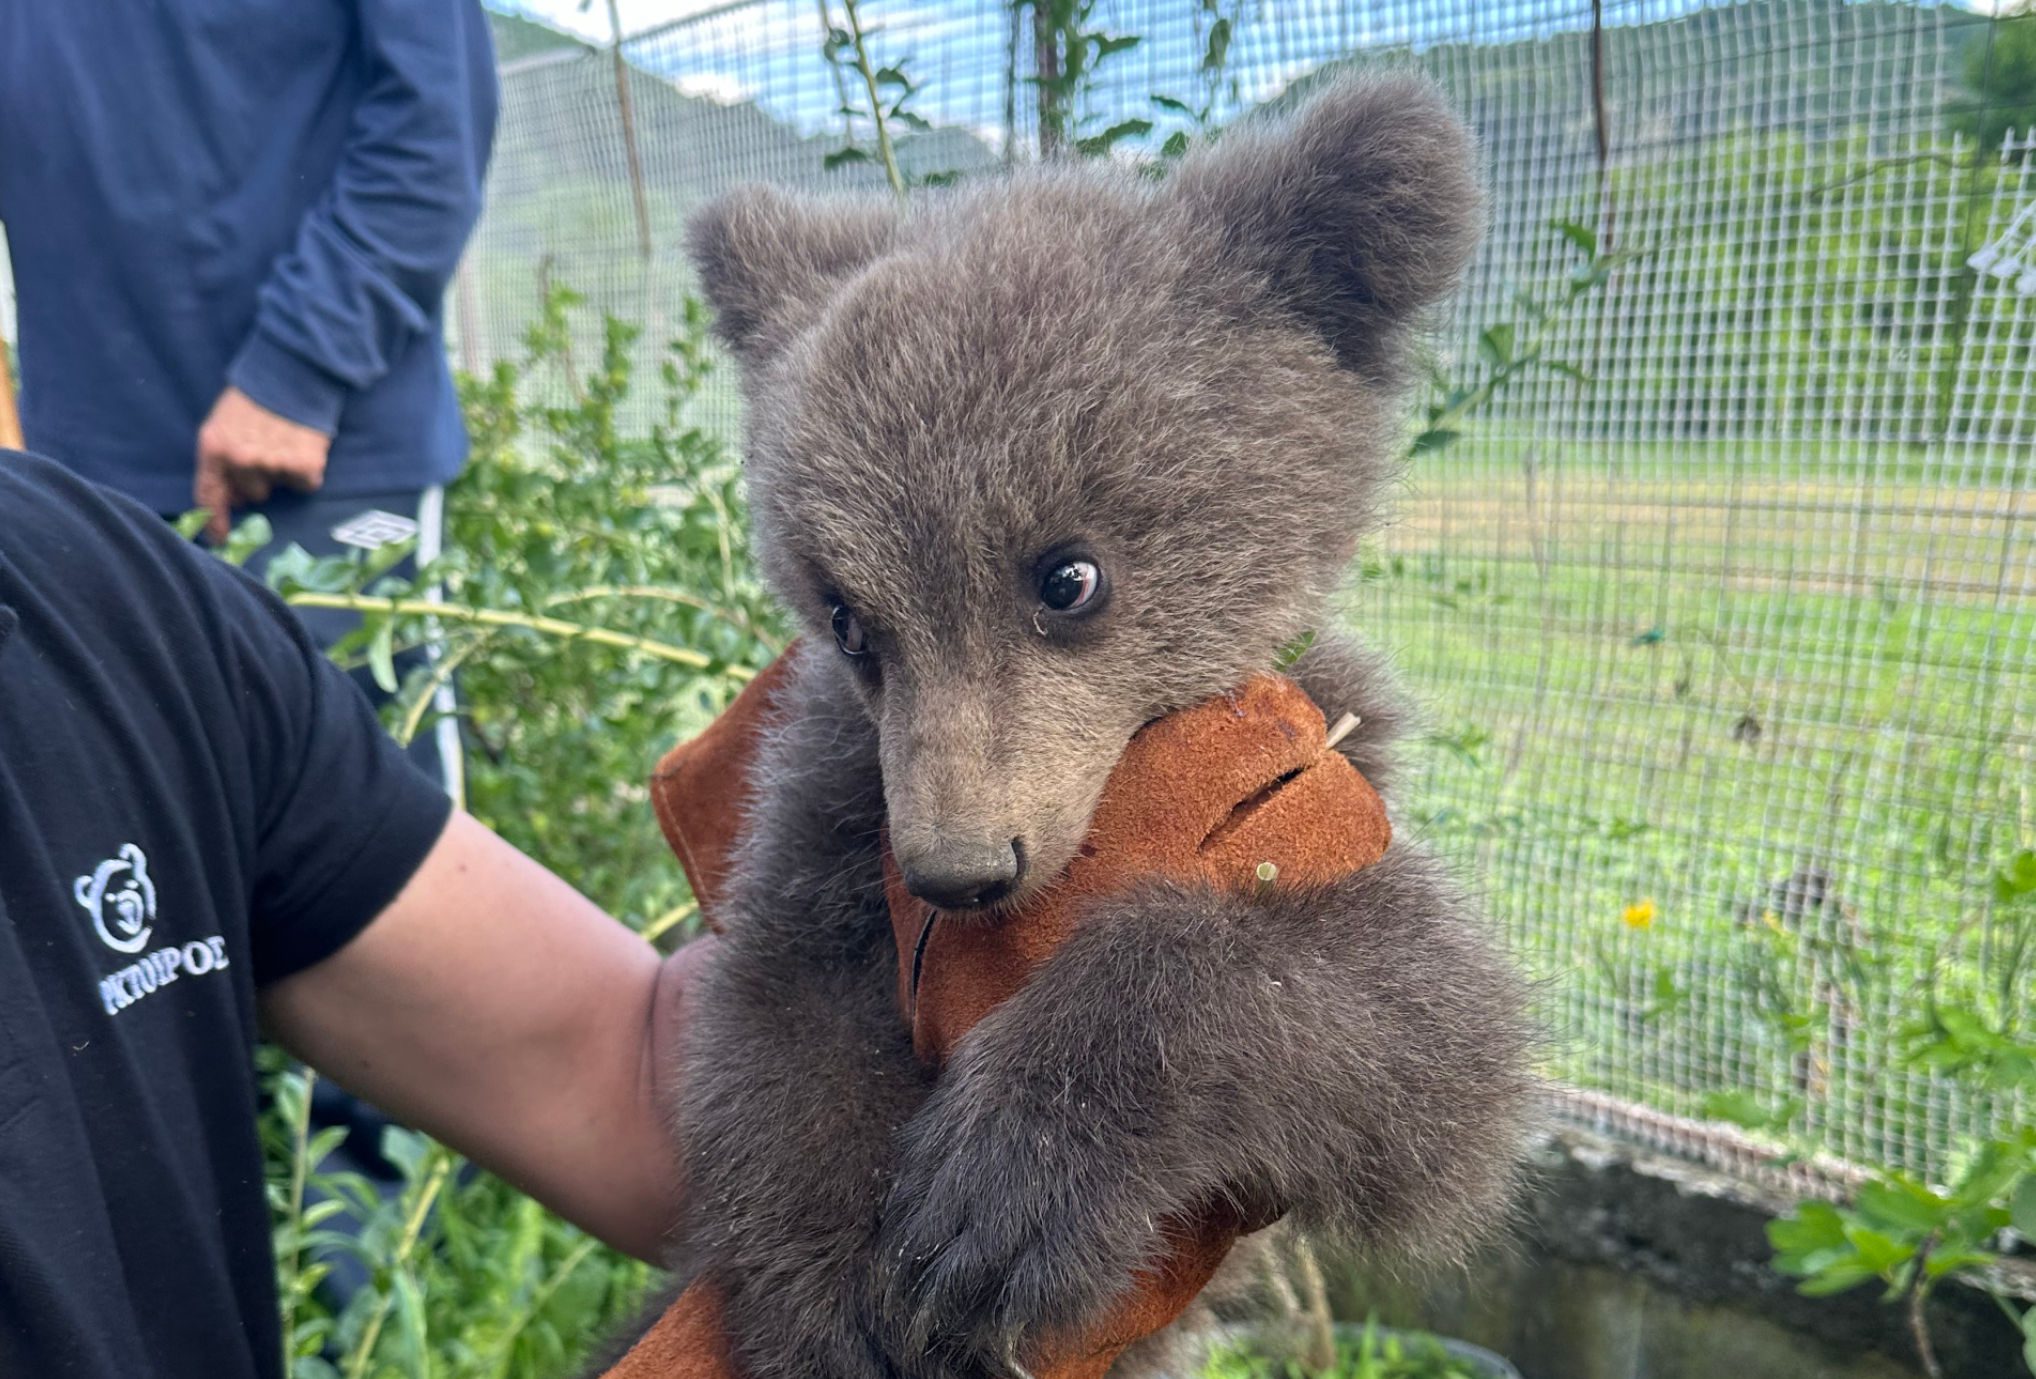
(1348, 1055)
(797, 1070)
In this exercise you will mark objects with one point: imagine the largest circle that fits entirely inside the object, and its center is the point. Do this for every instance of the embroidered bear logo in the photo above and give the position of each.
(121, 899)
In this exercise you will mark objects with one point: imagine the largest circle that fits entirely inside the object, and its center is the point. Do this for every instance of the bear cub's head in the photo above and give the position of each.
(1050, 456)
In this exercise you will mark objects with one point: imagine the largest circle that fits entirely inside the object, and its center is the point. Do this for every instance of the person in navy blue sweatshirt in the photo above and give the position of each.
(232, 224)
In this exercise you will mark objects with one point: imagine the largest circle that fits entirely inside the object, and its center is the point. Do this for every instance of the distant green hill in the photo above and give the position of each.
(517, 37)
(559, 195)
(1725, 124)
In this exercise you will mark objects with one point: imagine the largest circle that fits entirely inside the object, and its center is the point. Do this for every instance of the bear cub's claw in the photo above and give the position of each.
(1001, 1234)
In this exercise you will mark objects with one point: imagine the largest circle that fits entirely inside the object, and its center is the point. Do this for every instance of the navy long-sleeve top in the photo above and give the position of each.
(268, 193)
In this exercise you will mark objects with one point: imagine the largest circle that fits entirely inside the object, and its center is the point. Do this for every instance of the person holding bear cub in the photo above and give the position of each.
(421, 960)
(203, 830)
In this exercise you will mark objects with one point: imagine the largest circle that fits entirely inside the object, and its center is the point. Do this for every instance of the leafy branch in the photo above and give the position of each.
(888, 91)
(1067, 52)
(1212, 74)
(421, 1196)
(1909, 1235)
(387, 608)
(597, 603)
(850, 45)
(1510, 349)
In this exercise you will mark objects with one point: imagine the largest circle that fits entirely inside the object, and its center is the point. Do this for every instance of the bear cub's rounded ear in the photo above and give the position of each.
(768, 260)
(1359, 211)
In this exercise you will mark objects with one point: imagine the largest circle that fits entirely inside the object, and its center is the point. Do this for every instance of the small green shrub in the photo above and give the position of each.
(1372, 1353)
(597, 603)
(1908, 1235)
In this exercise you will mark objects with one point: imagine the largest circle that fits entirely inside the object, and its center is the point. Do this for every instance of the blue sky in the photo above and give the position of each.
(768, 50)
(589, 18)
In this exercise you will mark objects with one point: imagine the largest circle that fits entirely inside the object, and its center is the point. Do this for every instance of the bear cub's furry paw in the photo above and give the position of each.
(1002, 1232)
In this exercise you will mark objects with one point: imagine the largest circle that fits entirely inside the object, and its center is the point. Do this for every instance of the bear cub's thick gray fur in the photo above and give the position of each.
(1190, 391)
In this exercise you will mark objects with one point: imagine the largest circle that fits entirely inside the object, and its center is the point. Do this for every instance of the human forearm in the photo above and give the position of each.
(497, 1009)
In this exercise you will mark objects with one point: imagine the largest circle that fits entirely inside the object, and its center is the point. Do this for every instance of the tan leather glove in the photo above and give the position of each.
(1211, 793)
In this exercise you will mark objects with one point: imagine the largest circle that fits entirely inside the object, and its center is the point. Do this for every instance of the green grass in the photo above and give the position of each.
(1369, 1352)
(1679, 675)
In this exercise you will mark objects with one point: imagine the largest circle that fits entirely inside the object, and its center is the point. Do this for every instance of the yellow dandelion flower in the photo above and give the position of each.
(1639, 915)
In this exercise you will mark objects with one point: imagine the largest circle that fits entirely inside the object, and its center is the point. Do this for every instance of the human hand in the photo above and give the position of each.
(245, 450)
(499, 1010)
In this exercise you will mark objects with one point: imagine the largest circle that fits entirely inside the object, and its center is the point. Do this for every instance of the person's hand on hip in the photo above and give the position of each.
(245, 451)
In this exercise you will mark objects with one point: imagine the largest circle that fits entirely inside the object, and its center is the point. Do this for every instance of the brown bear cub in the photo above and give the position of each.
(1037, 461)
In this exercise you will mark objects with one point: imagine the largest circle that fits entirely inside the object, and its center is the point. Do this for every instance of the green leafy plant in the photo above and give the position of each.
(1217, 26)
(1373, 1353)
(1507, 350)
(466, 1278)
(1911, 1236)
(596, 603)
(1068, 50)
(885, 92)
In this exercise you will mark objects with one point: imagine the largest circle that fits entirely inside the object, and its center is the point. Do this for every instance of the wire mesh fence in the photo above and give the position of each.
(1719, 576)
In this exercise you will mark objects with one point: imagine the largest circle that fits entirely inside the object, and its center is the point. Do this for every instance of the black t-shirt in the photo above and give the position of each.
(192, 803)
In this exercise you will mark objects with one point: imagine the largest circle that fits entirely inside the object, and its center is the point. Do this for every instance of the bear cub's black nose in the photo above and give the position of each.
(967, 879)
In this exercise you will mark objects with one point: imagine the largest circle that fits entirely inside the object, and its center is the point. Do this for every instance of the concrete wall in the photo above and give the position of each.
(1624, 1266)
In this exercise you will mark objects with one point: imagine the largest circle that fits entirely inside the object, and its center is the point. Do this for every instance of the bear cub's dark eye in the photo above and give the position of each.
(1070, 585)
(848, 633)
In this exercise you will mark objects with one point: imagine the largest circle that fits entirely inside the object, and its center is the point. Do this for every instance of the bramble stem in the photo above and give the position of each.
(869, 81)
(497, 617)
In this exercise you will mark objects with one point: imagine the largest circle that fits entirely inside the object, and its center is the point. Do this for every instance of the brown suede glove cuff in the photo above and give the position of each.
(701, 789)
(1207, 794)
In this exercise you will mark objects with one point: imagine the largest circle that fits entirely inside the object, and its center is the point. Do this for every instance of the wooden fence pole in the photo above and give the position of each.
(10, 414)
